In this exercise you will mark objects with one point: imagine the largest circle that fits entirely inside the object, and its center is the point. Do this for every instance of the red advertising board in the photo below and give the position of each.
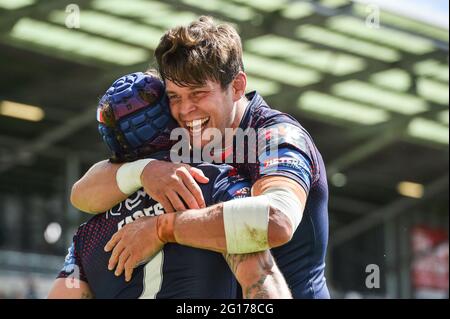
(430, 258)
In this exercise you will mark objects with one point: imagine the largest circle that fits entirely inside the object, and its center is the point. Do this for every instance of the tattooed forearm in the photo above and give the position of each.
(234, 261)
(258, 275)
(87, 295)
(262, 260)
(258, 290)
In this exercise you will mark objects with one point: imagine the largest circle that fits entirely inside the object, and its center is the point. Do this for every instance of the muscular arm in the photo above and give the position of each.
(97, 190)
(199, 228)
(259, 276)
(204, 228)
(74, 289)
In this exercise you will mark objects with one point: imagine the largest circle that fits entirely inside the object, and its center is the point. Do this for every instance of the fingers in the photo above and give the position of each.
(113, 241)
(187, 197)
(167, 205)
(122, 259)
(115, 256)
(129, 267)
(198, 175)
(191, 192)
(179, 190)
(176, 201)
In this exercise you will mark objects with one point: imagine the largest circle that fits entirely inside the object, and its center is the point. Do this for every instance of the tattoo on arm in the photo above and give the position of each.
(258, 275)
(235, 260)
(258, 290)
(87, 295)
(263, 268)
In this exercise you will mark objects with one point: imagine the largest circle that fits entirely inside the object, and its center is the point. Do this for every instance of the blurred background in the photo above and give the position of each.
(368, 79)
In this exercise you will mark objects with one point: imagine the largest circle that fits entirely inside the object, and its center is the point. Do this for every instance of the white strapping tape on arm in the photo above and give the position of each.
(285, 200)
(246, 220)
(128, 176)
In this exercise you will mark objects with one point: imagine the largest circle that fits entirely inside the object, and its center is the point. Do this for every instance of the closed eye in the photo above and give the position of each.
(173, 97)
(199, 94)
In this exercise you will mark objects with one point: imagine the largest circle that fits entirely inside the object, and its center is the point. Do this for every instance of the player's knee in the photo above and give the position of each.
(280, 229)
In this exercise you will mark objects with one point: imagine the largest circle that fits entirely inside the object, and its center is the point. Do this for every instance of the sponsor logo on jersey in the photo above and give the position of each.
(242, 192)
(150, 211)
(282, 161)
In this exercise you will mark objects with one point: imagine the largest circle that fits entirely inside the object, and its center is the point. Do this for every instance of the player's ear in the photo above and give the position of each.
(239, 85)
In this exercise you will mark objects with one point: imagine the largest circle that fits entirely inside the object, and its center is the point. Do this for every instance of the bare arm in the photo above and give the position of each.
(97, 190)
(199, 228)
(204, 228)
(70, 288)
(259, 276)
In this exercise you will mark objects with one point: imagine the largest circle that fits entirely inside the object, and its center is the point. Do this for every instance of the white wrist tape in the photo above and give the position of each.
(246, 222)
(286, 202)
(128, 176)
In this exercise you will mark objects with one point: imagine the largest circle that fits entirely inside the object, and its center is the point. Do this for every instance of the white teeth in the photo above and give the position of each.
(196, 124)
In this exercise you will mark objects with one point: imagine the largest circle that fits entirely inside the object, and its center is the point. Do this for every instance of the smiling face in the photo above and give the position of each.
(197, 108)
(201, 64)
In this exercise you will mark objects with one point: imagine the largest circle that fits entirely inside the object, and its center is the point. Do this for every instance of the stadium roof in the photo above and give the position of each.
(371, 86)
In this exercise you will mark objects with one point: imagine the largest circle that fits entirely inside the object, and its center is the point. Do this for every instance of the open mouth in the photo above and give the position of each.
(196, 126)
